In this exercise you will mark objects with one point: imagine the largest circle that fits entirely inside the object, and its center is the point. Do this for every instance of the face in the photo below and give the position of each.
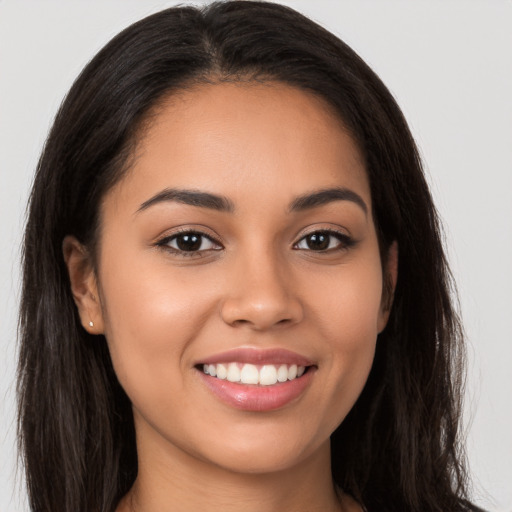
(240, 245)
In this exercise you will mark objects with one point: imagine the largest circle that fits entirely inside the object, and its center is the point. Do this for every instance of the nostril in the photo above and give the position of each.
(241, 321)
(261, 312)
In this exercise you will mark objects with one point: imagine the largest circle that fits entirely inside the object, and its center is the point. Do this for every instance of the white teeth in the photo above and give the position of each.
(249, 374)
(292, 372)
(266, 375)
(282, 373)
(222, 371)
(233, 373)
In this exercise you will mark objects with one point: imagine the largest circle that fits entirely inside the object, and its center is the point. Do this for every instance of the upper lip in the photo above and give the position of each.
(258, 356)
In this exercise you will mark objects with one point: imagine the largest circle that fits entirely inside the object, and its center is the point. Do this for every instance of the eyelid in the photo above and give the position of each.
(314, 228)
(163, 240)
(189, 228)
(346, 240)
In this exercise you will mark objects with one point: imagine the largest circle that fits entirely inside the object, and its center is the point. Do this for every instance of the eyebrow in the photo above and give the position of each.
(223, 204)
(326, 196)
(192, 198)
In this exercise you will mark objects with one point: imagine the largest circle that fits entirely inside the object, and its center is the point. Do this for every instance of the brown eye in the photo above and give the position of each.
(318, 241)
(189, 242)
(324, 241)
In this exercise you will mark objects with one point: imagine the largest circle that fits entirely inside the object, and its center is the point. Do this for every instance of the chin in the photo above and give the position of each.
(263, 451)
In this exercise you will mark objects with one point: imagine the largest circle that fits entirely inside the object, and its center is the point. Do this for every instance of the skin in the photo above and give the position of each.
(258, 285)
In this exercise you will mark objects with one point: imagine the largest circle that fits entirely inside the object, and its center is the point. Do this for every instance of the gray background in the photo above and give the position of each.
(448, 62)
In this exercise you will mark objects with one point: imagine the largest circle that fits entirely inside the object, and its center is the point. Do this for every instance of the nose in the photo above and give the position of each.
(261, 296)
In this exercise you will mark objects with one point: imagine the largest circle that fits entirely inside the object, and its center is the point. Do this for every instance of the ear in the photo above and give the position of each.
(84, 286)
(390, 276)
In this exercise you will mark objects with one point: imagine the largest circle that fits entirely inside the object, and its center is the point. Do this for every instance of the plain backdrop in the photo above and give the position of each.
(449, 64)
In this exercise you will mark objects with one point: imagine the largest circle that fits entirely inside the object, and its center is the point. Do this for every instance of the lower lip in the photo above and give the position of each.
(258, 398)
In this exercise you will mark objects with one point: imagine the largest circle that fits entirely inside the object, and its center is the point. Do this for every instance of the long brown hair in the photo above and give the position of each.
(398, 449)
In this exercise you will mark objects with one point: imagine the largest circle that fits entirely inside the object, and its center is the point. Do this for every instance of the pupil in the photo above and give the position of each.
(318, 241)
(190, 242)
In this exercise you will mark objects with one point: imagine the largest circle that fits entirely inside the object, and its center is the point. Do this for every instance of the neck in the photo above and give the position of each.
(172, 480)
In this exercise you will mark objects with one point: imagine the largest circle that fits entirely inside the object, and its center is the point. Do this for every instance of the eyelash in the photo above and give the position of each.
(345, 242)
(164, 243)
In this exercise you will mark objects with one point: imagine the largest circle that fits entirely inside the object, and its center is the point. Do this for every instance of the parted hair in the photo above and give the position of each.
(398, 449)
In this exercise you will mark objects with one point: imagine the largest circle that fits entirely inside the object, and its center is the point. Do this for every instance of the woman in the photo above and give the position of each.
(235, 294)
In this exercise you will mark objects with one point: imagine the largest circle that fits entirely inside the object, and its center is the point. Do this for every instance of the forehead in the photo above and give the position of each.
(246, 141)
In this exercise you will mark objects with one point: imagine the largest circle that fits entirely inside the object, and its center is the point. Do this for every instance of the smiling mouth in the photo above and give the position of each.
(254, 380)
(251, 374)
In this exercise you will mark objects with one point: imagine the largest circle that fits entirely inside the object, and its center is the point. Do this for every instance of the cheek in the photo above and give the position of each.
(347, 317)
(151, 316)
(347, 306)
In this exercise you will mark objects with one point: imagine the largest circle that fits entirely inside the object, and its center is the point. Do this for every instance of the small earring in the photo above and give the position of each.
(91, 324)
